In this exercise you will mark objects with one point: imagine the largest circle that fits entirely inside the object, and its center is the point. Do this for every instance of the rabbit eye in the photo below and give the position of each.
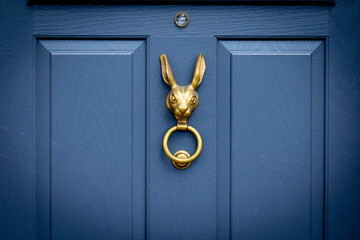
(173, 98)
(193, 99)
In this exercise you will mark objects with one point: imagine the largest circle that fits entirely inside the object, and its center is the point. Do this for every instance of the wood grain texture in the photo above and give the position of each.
(91, 145)
(177, 2)
(17, 111)
(344, 122)
(158, 20)
(276, 141)
(17, 120)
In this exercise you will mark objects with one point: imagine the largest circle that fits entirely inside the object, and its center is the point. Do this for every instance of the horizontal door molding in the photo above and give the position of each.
(167, 2)
(205, 20)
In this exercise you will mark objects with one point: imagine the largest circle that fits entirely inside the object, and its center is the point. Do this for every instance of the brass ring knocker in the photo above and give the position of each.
(181, 101)
(182, 159)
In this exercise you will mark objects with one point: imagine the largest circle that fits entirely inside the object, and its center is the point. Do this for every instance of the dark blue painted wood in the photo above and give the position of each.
(43, 125)
(167, 2)
(343, 152)
(276, 140)
(337, 26)
(204, 20)
(17, 121)
(91, 145)
(223, 149)
(182, 203)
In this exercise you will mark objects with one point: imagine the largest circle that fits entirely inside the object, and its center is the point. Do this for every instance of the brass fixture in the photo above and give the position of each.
(181, 101)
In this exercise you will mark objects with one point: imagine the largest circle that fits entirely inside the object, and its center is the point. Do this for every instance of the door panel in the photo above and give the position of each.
(91, 94)
(276, 122)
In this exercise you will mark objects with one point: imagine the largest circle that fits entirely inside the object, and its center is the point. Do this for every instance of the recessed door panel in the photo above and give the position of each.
(276, 121)
(92, 173)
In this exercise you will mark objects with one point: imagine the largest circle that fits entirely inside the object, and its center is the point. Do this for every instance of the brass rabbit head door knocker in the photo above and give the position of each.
(181, 101)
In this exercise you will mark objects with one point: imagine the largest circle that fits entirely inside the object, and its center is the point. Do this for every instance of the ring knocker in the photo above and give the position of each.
(181, 101)
(182, 159)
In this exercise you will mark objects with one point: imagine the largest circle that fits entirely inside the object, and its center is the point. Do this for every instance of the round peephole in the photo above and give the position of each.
(181, 19)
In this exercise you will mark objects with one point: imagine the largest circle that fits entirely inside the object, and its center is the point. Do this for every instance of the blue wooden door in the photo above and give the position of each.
(99, 119)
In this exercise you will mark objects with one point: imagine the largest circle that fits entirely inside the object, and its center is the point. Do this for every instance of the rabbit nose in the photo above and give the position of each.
(183, 109)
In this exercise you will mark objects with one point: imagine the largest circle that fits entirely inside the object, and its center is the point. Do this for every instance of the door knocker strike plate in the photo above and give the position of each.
(181, 101)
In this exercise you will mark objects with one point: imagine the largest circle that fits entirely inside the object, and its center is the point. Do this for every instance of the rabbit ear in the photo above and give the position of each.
(199, 71)
(166, 71)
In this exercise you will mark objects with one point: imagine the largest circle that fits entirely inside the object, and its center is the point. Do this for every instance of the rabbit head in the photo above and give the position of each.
(182, 100)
